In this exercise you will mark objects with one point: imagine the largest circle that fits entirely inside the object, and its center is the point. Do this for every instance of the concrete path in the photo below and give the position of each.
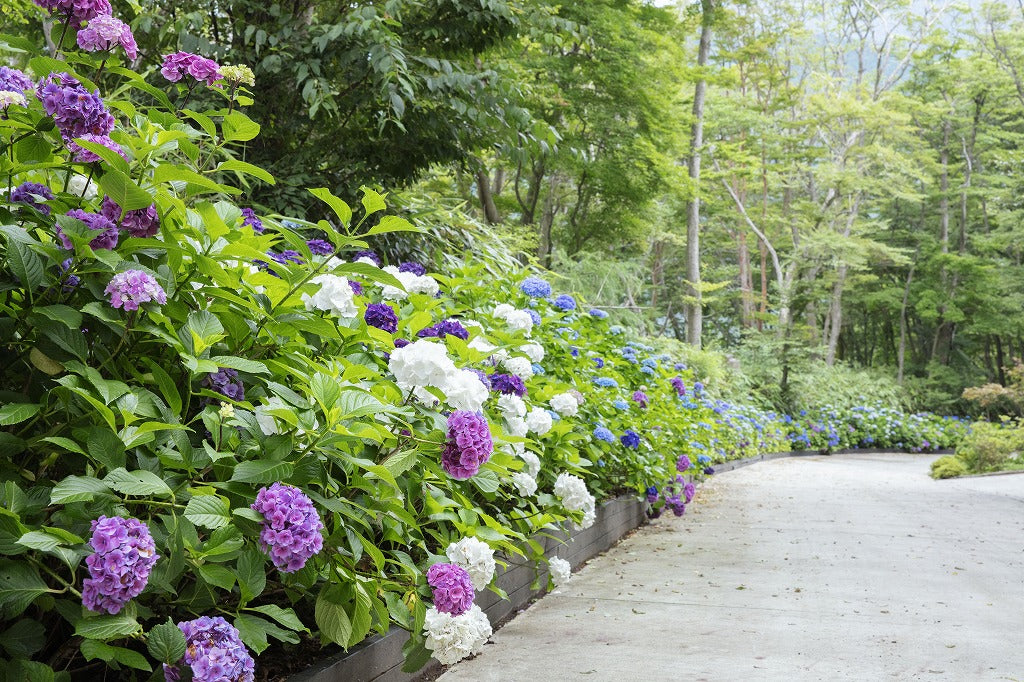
(852, 567)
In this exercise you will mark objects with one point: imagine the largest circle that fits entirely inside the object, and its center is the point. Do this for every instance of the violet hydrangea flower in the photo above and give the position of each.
(291, 527)
(80, 154)
(508, 384)
(357, 287)
(652, 494)
(445, 328)
(683, 463)
(119, 568)
(469, 444)
(250, 218)
(452, 587)
(75, 110)
(130, 288)
(689, 490)
(631, 439)
(180, 64)
(676, 504)
(76, 11)
(534, 316)
(677, 383)
(320, 247)
(104, 33)
(107, 238)
(30, 193)
(370, 255)
(143, 222)
(535, 287)
(640, 398)
(13, 80)
(565, 302)
(382, 316)
(413, 267)
(598, 313)
(226, 382)
(214, 651)
(70, 281)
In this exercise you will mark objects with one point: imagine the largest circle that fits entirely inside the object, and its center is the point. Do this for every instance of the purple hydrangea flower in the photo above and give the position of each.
(130, 288)
(226, 382)
(565, 302)
(250, 218)
(534, 315)
(683, 463)
(77, 10)
(119, 568)
(598, 313)
(508, 384)
(143, 222)
(677, 383)
(677, 505)
(214, 651)
(631, 439)
(413, 267)
(640, 398)
(104, 33)
(401, 343)
(652, 494)
(689, 490)
(70, 281)
(535, 287)
(320, 247)
(357, 287)
(32, 193)
(468, 446)
(291, 527)
(708, 471)
(602, 433)
(80, 154)
(75, 110)
(107, 239)
(366, 253)
(286, 256)
(382, 316)
(452, 586)
(13, 80)
(180, 64)
(445, 328)
(484, 379)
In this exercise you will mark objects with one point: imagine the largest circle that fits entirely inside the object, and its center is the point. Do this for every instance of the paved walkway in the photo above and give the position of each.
(852, 567)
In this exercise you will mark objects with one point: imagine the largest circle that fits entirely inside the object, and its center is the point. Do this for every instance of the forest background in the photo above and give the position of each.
(856, 223)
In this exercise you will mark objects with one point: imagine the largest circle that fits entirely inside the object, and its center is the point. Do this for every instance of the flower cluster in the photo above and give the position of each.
(13, 80)
(119, 569)
(678, 385)
(683, 463)
(382, 316)
(565, 302)
(468, 446)
(535, 287)
(453, 638)
(322, 247)
(75, 110)
(335, 296)
(75, 11)
(143, 222)
(508, 383)
(575, 497)
(238, 74)
(640, 398)
(367, 256)
(104, 33)
(565, 404)
(445, 328)
(517, 320)
(602, 433)
(226, 382)
(180, 64)
(598, 313)
(560, 569)
(452, 587)
(250, 218)
(32, 194)
(413, 267)
(631, 439)
(411, 284)
(476, 557)
(539, 421)
(214, 652)
(291, 526)
(131, 288)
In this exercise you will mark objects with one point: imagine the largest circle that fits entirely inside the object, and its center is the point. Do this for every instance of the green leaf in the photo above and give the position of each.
(252, 575)
(124, 192)
(217, 575)
(208, 511)
(339, 207)
(15, 413)
(262, 471)
(241, 364)
(77, 489)
(168, 389)
(330, 615)
(325, 390)
(106, 627)
(24, 638)
(92, 649)
(372, 201)
(248, 169)
(401, 461)
(285, 617)
(44, 363)
(140, 483)
(39, 540)
(237, 127)
(25, 264)
(166, 643)
(19, 585)
(113, 159)
(61, 313)
(487, 481)
(390, 223)
(254, 631)
(361, 618)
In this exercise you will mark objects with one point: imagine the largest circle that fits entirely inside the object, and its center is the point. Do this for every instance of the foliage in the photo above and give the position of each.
(993, 446)
(996, 399)
(948, 466)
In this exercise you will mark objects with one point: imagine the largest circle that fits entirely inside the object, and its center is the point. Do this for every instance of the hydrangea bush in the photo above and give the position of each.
(225, 429)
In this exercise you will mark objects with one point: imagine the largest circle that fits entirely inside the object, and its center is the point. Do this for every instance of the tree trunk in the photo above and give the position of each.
(901, 351)
(694, 312)
(483, 190)
(746, 282)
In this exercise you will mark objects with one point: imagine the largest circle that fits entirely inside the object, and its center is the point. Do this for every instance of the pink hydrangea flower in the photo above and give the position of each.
(180, 64)
(104, 33)
(130, 288)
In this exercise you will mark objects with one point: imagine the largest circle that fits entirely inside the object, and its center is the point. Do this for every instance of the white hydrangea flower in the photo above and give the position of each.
(516, 426)
(453, 638)
(411, 284)
(519, 320)
(560, 569)
(511, 405)
(539, 421)
(367, 260)
(565, 404)
(575, 497)
(481, 344)
(502, 310)
(532, 462)
(476, 557)
(525, 483)
(420, 364)
(335, 296)
(424, 284)
(465, 391)
(79, 183)
(534, 351)
(520, 366)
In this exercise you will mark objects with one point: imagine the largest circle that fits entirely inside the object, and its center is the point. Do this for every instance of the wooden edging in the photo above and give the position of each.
(379, 659)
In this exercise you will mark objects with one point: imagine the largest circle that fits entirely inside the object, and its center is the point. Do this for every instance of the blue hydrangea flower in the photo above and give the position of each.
(535, 287)
(615, 329)
(650, 362)
(602, 433)
(598, 313)
(574, 351)
(703, 459)
(606, 382)
(599, 362)
(537, 369)
(621, 404)
(631, 439)
(565, 302)
(534, 315)
(647, 370)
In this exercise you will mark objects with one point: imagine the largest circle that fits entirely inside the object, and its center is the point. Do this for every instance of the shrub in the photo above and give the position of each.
(948, 466)
(992, 446)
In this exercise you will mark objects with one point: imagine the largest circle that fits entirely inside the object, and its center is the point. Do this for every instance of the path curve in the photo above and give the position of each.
(852, 567)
